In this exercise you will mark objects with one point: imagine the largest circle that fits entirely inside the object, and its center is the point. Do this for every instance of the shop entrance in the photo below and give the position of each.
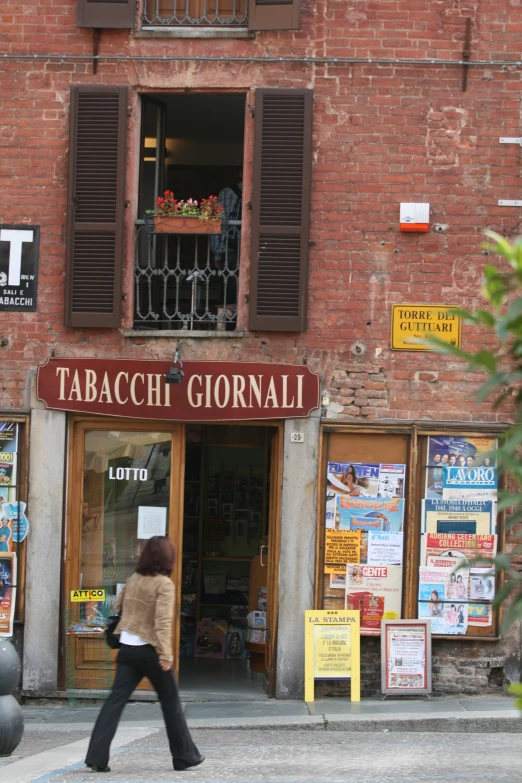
(216, 490)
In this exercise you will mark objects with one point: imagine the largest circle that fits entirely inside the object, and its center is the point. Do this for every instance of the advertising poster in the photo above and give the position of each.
(341, 547)
(361, 480)
(443, 584)
(439, 550)
(12, 516)
(469, 483)
(376, 591)
(458, 517)
(406, 653)
(455, 451)
(378, 514)
(446, 617)
(480, 615)
(7, 593)
(7, 468)
(385, 548)
(9, 436)
(332, 652)
(482, 584)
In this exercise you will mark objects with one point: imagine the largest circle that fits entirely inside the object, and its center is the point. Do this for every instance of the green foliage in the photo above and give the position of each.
(502, 291)
(516, 689)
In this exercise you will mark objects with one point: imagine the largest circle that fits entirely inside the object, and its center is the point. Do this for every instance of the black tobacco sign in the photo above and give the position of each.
(19, 249)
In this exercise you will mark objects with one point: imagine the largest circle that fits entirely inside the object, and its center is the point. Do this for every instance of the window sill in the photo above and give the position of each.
(192, 32)
(182, 334)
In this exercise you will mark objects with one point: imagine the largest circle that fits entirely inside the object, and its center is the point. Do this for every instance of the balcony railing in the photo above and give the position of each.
(199, 13)
(186, 281)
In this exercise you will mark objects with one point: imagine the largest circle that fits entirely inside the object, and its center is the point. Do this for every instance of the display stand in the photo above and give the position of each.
(406, 658)
(332, 649)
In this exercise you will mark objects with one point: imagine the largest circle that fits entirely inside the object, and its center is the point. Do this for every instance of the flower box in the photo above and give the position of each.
(185, 225)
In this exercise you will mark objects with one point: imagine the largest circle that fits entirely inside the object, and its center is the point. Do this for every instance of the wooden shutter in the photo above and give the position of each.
(106, 14)
(274, 14)
(281, 210)
(95, 206)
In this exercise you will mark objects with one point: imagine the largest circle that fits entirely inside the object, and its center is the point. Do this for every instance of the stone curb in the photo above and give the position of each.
(462, 723)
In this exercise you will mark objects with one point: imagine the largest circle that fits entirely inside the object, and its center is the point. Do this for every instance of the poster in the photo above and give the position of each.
(385, 548)
(7, 468)
(480, 615)
(471, 482)
(458, 516)
(376, 514)
(446, 617)
(376, 591)
(447, 551)
(459, 451)
(152, 521)
(341, 547)
(7, 593)
(9, 436)
(332, 652)
(338, 579)
(482, 584)
(443, 584)
(361, 480)
(406, 664)
(12, 515)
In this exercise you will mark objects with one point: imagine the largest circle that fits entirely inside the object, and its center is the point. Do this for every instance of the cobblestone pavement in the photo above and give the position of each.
(295, 757)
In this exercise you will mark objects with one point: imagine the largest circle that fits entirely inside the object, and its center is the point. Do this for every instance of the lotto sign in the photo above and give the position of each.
(83, 596)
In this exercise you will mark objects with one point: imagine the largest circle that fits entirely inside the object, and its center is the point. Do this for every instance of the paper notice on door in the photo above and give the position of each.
(152, 521)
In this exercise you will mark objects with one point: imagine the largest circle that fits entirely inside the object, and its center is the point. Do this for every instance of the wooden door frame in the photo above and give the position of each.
(79, 423)
(77, 426)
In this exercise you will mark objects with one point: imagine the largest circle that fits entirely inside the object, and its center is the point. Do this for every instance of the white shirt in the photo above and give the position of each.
(131, 639)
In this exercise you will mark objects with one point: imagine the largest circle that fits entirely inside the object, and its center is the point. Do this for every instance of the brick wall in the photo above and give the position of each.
(382, 134)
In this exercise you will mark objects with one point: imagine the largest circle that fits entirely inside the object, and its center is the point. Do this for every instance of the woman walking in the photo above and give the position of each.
(146, 604)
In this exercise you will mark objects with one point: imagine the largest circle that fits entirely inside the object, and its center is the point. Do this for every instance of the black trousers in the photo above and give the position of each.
(133, 664)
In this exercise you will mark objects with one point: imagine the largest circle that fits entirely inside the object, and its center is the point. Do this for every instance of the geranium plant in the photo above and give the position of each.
(168, 206)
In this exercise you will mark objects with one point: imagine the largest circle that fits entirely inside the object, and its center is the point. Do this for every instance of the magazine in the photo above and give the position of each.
(362, 480)
(458, 517)
(369, 513)
(446, 617)
(376, 591)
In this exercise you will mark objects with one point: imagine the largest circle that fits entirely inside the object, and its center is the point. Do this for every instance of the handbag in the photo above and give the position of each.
(113, 639)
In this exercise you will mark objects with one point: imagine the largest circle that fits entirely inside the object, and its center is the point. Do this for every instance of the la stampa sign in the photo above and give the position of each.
(209, 391)
(19, 249)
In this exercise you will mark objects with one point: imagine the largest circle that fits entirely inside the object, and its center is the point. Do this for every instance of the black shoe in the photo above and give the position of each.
(94, 768)
(182, 766)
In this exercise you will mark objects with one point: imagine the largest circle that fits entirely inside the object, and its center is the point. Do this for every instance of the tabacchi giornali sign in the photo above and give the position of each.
(209, 391)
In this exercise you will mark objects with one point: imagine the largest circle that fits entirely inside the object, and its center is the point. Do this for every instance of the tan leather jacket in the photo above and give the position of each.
(148, 609)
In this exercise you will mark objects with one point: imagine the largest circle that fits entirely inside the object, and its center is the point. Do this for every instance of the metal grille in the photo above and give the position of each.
(180, 285)
(188, 13)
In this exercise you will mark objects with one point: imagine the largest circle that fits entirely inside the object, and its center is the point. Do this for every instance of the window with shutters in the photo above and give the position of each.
(95, 206)
(185, 277)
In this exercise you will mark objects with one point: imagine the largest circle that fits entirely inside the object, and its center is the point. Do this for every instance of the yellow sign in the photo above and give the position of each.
(81, 596)
(332, 649)
(341, 547)
(412, 323)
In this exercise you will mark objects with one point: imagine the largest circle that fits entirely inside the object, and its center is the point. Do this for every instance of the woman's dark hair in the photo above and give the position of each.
(157, 557)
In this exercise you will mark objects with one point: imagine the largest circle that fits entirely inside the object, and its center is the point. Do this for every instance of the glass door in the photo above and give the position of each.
(124, 487)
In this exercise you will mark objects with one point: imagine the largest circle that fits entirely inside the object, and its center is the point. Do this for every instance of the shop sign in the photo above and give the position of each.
(209, 391)
(86, 596)
(332, 649)
(406, 657)
(19, 249)
(413, 323)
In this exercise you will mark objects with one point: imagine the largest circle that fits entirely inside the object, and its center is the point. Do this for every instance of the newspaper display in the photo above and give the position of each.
(458, 517)
(458, 528)
(375, 591)
(362, 480)
(406, 657)
(8, 575)
(376, 514)
(341, 547)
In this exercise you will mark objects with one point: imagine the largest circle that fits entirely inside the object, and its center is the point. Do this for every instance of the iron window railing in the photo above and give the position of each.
(186, 281)
(200, 13)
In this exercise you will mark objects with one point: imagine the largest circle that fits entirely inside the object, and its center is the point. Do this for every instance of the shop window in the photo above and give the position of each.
(13, 522)
(405, 516)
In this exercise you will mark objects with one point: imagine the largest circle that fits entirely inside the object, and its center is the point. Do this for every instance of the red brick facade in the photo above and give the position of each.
(382, 134)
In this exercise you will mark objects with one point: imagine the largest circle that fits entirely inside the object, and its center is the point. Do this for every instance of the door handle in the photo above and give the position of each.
(264, 546)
